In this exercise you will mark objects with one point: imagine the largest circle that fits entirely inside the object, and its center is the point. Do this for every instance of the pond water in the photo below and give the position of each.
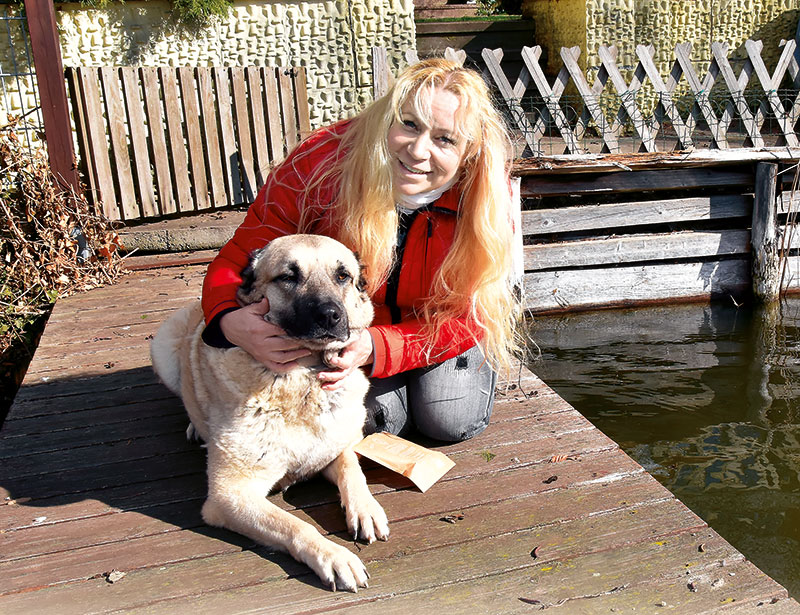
(707, 399)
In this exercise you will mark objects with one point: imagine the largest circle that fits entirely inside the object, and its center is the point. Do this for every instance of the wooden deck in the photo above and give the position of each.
(96, 476)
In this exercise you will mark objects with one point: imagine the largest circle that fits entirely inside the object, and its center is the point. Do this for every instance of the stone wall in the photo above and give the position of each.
(664, 23)
(331, 39)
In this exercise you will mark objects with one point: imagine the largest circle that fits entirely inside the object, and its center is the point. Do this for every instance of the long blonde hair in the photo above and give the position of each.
(367, 218)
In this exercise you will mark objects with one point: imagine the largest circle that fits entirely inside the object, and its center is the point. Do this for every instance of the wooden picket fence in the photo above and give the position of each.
(155, 141)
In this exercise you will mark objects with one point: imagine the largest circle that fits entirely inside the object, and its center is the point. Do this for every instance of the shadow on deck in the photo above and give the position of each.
(96, 475)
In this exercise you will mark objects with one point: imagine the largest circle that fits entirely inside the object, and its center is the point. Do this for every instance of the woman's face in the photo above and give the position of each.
(426, 157)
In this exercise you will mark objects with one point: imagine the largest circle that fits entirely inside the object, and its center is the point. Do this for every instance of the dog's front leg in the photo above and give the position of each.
(365, 517)
(238, 502)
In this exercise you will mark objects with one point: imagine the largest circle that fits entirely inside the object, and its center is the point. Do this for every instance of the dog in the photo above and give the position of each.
(264, 430)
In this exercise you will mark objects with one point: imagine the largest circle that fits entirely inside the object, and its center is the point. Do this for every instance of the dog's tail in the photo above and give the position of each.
(165, 349)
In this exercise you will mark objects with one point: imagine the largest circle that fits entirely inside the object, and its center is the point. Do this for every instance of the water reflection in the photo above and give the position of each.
(705, 398)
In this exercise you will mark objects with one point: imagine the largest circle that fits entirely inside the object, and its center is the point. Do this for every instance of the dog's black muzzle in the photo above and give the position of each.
(318, 319)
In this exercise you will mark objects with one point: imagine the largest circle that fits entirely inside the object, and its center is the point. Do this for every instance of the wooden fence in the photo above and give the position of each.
(723, 110)
(647, 111)
(157, 141)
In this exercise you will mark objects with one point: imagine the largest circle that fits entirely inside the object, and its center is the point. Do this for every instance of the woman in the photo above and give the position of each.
(417, 185)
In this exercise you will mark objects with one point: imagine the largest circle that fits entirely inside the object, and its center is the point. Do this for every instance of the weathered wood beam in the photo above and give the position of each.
(557, 291)
(613, 216)
(637, 248)
(595, 163)
(52, 90)
(637, 181)
(766, 260)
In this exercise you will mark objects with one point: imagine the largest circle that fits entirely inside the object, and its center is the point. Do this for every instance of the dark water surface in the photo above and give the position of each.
(707, 399)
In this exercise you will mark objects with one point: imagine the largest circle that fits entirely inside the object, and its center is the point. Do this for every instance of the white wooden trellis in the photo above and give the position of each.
(663, 119)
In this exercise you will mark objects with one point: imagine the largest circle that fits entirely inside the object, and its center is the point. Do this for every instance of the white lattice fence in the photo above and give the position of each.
(648, 112)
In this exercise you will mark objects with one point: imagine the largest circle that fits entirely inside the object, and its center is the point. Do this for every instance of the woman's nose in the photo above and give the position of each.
(419, 148)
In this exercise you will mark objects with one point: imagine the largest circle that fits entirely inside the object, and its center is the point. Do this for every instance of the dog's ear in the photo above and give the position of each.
(361, 283)
(246, 294)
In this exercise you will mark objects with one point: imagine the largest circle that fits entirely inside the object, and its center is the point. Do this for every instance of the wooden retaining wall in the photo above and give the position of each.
(601, 238)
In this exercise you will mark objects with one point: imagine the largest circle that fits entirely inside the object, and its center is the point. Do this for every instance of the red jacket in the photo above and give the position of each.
(275, 212)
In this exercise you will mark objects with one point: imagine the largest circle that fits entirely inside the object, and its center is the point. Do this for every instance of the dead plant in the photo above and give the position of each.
(53, 241)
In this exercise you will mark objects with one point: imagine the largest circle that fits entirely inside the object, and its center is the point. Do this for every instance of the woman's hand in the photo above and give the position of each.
(265, 342)
(352, 357)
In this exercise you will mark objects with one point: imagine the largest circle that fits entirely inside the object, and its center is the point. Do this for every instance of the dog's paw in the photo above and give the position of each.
(337, 567)
(366, 519)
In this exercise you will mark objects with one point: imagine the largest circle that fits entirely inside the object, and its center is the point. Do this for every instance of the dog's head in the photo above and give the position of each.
(315, 287)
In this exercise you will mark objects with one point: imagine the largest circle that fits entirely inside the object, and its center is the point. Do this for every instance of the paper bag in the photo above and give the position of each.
(420, 465)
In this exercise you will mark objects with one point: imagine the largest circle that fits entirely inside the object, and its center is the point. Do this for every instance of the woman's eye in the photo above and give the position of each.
(447, 140)
(410, 124)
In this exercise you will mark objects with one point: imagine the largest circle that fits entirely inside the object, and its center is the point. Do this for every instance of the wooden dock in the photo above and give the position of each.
(100, 497)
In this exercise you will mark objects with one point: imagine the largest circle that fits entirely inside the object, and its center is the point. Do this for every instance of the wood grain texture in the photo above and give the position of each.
(128, 489)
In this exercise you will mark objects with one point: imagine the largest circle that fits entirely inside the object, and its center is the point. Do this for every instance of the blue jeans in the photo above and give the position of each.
(449, 401)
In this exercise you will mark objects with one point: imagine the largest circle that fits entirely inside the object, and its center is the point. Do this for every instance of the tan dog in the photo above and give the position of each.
(265, 430)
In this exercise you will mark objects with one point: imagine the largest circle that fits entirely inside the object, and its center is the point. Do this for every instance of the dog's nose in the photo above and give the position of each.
(329, 315)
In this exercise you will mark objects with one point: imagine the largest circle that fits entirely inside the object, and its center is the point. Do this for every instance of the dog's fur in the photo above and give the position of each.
(265, 430)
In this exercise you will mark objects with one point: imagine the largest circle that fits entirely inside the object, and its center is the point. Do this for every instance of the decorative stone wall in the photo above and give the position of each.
(664, 23)
(331, 39)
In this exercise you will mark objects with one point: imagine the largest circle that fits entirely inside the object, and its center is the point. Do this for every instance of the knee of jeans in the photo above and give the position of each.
(452, 431)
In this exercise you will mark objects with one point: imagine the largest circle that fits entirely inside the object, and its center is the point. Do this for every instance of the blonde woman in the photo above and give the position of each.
(418, 186)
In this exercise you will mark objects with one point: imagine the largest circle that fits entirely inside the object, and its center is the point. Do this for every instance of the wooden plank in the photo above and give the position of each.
(701, 91)
(96, 408)
(633, 181)
(286, 90)
(98, 142)
(178, 158)
(720, 52)
(86, 164)
(257, 110)
(243, 132)
(158, 143)
(635, 285)
(277, 144)
(512, 102)
(205, 88)
(546, 501)
(140, 150)
(585, 120)
(550, 95)
(260, 567)
(382, 77)
(301, 102)
(760, 112)
(570, 58)
(54, 109)
(665, 102)
(194, 138)
(627, 94)
(638, 248)
(621, 215)
(791, 273)
(231, 159)
(117, 120)
(487, 558)
(770, 89)
(766, 263)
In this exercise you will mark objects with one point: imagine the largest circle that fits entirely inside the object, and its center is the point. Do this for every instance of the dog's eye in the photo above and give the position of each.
(286, 277)
(343, 276)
